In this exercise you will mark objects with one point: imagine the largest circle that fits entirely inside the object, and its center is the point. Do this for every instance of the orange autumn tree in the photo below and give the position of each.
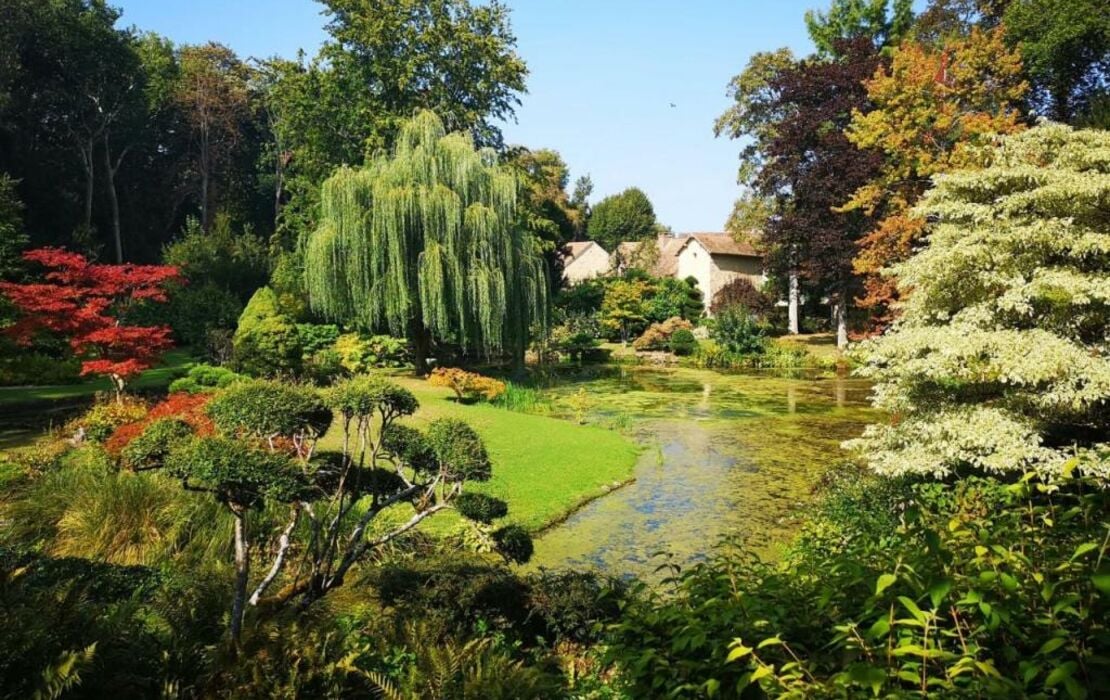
(934, 110)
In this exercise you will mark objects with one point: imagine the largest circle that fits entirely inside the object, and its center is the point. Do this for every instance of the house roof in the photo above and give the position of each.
(719, 244)
(575, 249)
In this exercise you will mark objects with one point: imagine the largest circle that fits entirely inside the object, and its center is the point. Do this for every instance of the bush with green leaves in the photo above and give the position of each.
(235, 262)
(682, 342)
(1000, 360)
(150, 449)
(577, 337)
(266, 343)
(266, 409)
(582, 299)
(317, 336)
(736, 330)
(201, 378)
(672, 297)
(980, 588)
(574, 605)
(22, 368)
(360, 353)
(196, 310)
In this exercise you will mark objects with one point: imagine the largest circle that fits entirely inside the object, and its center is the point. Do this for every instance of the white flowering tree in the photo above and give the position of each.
(1001, 359)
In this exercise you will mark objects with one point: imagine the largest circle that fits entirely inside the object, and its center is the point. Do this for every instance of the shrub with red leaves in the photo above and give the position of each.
(85, 302)
(184, 406)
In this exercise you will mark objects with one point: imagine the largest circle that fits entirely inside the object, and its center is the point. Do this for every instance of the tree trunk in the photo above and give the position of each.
(242, 571)
(793, 303)
(205, 168)
(113, 201)
(421, 347)
(87, 162)
(840, 314)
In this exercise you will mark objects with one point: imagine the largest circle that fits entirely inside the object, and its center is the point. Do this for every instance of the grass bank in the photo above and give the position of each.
(173, 365)
(544, 468)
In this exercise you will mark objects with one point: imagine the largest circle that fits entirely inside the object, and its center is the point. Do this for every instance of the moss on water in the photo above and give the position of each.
(734, 454)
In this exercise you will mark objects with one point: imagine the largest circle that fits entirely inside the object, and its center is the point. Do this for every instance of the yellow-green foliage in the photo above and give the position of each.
(657, 334)
(103, 418)
(427, 234)
(1000, 361)
(467, 385)
(266, 341)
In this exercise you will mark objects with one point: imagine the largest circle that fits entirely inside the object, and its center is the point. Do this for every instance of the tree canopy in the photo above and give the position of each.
(627, 216)
(999, 362)
(424, 242)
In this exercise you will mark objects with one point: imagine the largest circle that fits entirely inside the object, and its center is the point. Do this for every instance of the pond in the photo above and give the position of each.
(733, 455)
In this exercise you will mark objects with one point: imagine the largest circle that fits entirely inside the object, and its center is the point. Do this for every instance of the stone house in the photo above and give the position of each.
(583, 260)
(713, 259)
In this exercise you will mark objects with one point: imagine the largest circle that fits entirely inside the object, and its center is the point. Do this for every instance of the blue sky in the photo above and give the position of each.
(603, 75)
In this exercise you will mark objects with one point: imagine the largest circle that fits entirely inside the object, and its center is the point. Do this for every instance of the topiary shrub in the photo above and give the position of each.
(480, 507)
(468, 386)
(514, 544)
(204, 378)
(266, 343)
(267, 409)
(150, 449)
(459, 450)
(682, 342)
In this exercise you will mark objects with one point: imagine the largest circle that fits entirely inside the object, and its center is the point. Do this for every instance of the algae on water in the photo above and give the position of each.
(733, 455)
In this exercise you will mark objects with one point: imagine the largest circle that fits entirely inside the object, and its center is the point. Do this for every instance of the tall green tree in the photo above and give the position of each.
(215, 99)
(449, 56)
(627, 216)
(384, 61)
(884, 22)
(424, 242)
(1065, 47)
(13, 239)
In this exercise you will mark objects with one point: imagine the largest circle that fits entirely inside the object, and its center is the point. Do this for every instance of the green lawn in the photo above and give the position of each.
(542, 467)
(174, 364)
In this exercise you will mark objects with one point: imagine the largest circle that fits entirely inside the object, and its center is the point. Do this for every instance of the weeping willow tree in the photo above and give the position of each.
(425, 243)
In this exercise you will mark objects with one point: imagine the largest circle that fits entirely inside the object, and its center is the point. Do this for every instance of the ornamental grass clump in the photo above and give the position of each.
(1000, 362)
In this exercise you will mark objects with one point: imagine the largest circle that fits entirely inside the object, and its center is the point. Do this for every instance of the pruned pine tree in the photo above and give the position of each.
(422, 242)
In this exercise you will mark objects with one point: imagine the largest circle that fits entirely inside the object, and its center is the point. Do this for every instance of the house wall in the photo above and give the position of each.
(593, 262)
(715, 271)
(695, 261)
(726, 268)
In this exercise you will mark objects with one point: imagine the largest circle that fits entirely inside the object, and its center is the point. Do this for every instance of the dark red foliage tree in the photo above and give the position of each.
(741, 292)
(812, 168)
(87, 304)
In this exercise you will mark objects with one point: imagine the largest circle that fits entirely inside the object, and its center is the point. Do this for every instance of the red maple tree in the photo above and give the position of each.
(86, 303)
